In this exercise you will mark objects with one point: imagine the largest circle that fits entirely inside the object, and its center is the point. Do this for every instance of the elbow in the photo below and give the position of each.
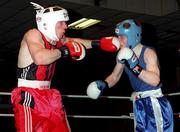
(156, 82)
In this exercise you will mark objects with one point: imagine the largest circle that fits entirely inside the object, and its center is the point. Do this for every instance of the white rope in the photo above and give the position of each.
(108, 97)
(5, 93)
(172, 94)
(6, 115)
(81, 96)
(84, 116)
(101, 117)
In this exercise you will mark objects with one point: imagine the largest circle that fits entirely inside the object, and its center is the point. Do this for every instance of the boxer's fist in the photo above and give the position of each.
(74, 50)
(110, 44)
(127, 56)
(95, 88)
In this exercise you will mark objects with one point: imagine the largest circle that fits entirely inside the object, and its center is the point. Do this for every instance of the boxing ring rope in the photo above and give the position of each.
(108, 97)
(81, 96)
(84, 116)
(130, 116)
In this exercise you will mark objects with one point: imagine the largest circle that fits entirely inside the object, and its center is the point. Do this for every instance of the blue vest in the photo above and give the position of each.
(136, 83)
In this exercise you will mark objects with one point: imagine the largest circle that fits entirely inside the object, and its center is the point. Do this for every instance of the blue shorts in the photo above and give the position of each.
(153, 115)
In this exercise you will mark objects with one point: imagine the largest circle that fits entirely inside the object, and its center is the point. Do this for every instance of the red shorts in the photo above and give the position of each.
(39, 110)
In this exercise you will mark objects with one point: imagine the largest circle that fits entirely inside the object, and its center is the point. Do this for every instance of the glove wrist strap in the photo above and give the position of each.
(137, 70)
(64, 52)
(95, 43)
(107, 86)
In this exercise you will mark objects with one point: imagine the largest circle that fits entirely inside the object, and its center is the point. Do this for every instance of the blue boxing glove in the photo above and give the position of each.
(96, 88)
(127, 56)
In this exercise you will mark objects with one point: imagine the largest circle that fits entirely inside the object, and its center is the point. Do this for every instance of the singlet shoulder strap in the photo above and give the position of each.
(47, 45)
(142, 51)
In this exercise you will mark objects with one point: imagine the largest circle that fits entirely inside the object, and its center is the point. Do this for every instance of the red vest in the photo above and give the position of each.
(39, 72)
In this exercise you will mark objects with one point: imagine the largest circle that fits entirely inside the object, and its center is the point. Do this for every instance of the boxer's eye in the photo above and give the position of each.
(126, 25)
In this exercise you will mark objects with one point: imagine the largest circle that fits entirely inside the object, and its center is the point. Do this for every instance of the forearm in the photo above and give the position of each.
(109, 44)
(111, 81)
(115, 76)
(86, 42)
(45, 56)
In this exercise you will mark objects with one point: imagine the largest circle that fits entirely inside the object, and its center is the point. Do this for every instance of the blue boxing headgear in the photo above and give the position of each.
(132, 30)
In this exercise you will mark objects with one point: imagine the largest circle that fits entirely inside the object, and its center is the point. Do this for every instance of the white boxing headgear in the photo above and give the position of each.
(46, 19)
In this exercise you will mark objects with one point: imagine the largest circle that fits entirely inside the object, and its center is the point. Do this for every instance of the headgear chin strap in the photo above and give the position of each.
(46, 19)
(132, 30)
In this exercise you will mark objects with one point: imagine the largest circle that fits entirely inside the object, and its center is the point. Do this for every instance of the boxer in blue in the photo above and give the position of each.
(152, 111)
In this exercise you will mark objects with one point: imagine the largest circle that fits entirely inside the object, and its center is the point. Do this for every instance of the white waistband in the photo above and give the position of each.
(34, 84)
(150, 93)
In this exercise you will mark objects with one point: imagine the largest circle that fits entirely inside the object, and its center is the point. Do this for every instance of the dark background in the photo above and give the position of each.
(72, 77)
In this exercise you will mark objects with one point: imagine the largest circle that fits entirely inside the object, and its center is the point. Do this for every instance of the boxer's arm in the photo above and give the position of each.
(96, 88)
(115, 76)
(109, 44)
(39, 54)
(85, 42)
(151, 74)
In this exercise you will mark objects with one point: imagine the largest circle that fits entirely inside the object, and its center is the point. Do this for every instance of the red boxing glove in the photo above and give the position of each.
(110, 44)
(74, 50)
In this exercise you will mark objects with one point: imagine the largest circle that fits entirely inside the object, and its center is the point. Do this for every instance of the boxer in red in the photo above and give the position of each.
(37, 106)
